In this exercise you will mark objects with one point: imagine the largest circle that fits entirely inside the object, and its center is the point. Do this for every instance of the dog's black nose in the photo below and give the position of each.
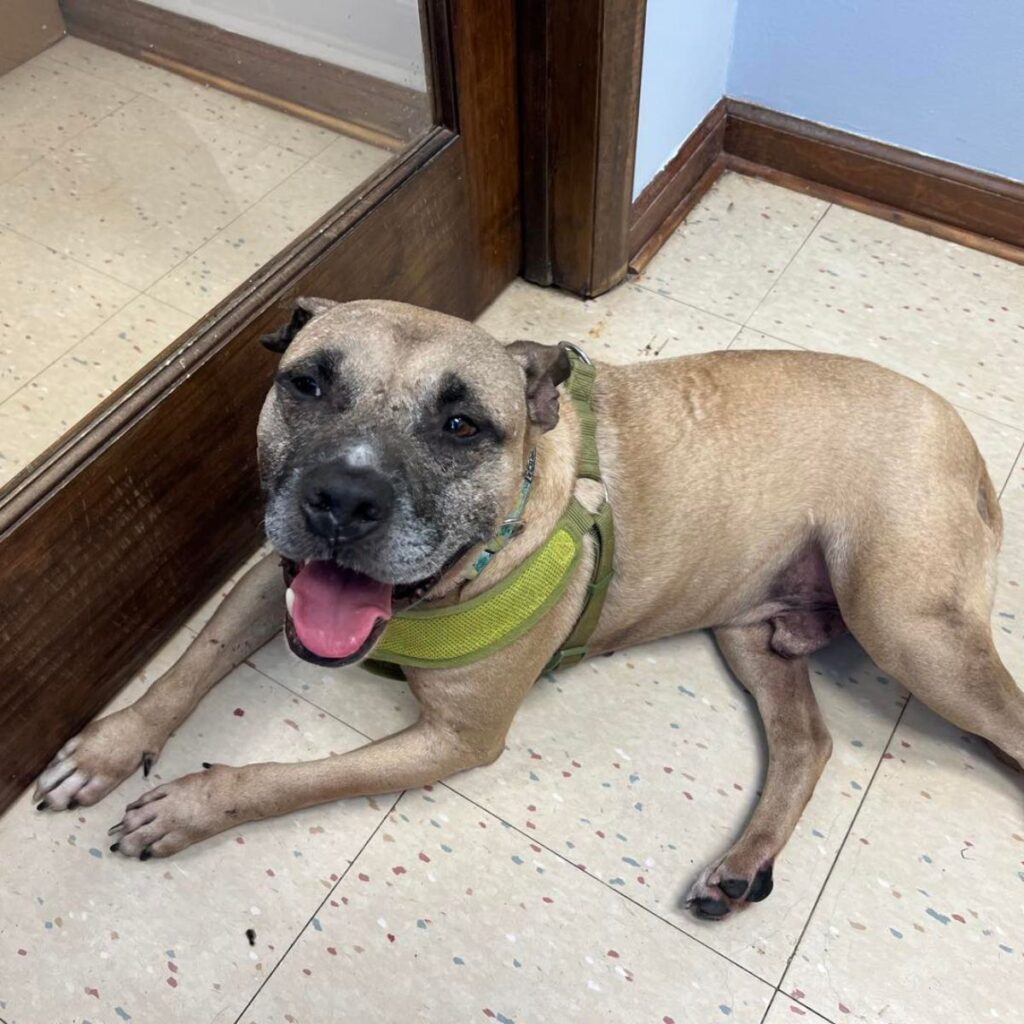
(344, 504)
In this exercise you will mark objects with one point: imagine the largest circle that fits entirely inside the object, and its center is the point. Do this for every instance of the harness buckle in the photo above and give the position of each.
(566, 656)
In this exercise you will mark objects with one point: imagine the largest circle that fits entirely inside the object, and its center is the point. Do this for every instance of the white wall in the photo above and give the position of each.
(379, 37)
(685, 67)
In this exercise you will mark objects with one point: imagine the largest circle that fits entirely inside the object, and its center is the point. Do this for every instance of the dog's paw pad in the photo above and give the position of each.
(710, 908)
(761, 887)
(734, 888)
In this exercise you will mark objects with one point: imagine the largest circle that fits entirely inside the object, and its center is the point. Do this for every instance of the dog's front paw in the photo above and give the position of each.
(99, 758)
(725, 888)
(177, 814)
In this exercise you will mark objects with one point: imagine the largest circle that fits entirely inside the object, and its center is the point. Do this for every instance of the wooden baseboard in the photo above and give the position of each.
(976, 209)
(674, 190)
(922, 186)
(380, 111)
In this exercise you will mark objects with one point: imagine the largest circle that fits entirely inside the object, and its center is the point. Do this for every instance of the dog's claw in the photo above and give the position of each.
(114, 847)
(41, 806)
(147, 764)
(145, 855)
(115, 828)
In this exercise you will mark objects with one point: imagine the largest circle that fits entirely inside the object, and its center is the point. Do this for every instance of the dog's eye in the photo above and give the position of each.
(307, 386)
(461, 427)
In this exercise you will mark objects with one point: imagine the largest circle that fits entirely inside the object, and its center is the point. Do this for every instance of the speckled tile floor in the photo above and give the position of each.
(546, 887)
(132, 200)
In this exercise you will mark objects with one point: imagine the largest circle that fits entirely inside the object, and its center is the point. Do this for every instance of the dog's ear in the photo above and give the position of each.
(305, 310)
(545, 366)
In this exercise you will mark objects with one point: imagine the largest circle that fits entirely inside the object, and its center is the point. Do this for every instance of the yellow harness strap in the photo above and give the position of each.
(463, 633)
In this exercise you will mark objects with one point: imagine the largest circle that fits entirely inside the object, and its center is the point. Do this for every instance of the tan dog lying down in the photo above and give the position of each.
(827, 494)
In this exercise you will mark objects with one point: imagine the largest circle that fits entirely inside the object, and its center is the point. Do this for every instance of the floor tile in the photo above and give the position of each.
(625, 324)
(193, 100)
(733, 246)
(96, 937)
(133, 201)
(373, 705)
(789, 1011)
(248, 242)
(950, 317)
(43, 105)
(620, 765)
(108, 65)
(49, 304)
(921, 919)
(45, 408)
(448, 916)
(357, 160)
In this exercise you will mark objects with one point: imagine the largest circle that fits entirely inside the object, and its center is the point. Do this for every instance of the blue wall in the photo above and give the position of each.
(686, 62)
(943, 77)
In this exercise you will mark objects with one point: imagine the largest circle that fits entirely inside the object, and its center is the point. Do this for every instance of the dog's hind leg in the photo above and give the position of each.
(940, 647)
(110, 749)
(917, 595)
(799, 745)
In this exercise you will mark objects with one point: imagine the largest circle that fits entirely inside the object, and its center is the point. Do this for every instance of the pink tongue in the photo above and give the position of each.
(335, 609)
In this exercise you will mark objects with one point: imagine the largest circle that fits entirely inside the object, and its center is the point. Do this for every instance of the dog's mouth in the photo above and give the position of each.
(336, 615)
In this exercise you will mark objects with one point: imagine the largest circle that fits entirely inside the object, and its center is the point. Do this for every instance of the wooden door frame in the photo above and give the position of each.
(111, 538)
(579, 97)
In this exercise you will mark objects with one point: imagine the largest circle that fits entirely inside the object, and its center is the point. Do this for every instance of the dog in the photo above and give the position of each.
(776, 498)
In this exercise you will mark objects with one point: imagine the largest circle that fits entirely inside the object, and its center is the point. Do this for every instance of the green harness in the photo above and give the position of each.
(461, 634)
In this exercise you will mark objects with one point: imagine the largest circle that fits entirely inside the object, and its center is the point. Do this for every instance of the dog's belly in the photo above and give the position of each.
(797, 601)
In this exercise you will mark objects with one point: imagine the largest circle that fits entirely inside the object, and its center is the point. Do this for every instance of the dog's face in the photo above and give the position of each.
(391, 445)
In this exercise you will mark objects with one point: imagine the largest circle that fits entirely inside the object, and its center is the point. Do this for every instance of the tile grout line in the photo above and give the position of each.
(782, 273)
(768, 1008)
(320, 905)
(602, 882)
(220, 230)
(841, 848)
(745, 323)
(311, 703)
(1009, 476)
(533, 839)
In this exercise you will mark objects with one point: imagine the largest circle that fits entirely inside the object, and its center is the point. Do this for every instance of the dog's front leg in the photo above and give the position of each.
(465, 714)
(176, 815)
(110, 749)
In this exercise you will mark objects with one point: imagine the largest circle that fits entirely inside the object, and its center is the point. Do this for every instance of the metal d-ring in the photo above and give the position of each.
(575, 348)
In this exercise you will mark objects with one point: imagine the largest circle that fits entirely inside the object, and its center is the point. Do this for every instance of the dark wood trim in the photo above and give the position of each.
(921, 186)
(982, 211)
(579, 97)
(676, 215)
(663, 204)
(266, 73)
(111, 540)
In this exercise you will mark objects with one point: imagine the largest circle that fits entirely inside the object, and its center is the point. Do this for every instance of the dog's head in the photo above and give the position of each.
(391, 445)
